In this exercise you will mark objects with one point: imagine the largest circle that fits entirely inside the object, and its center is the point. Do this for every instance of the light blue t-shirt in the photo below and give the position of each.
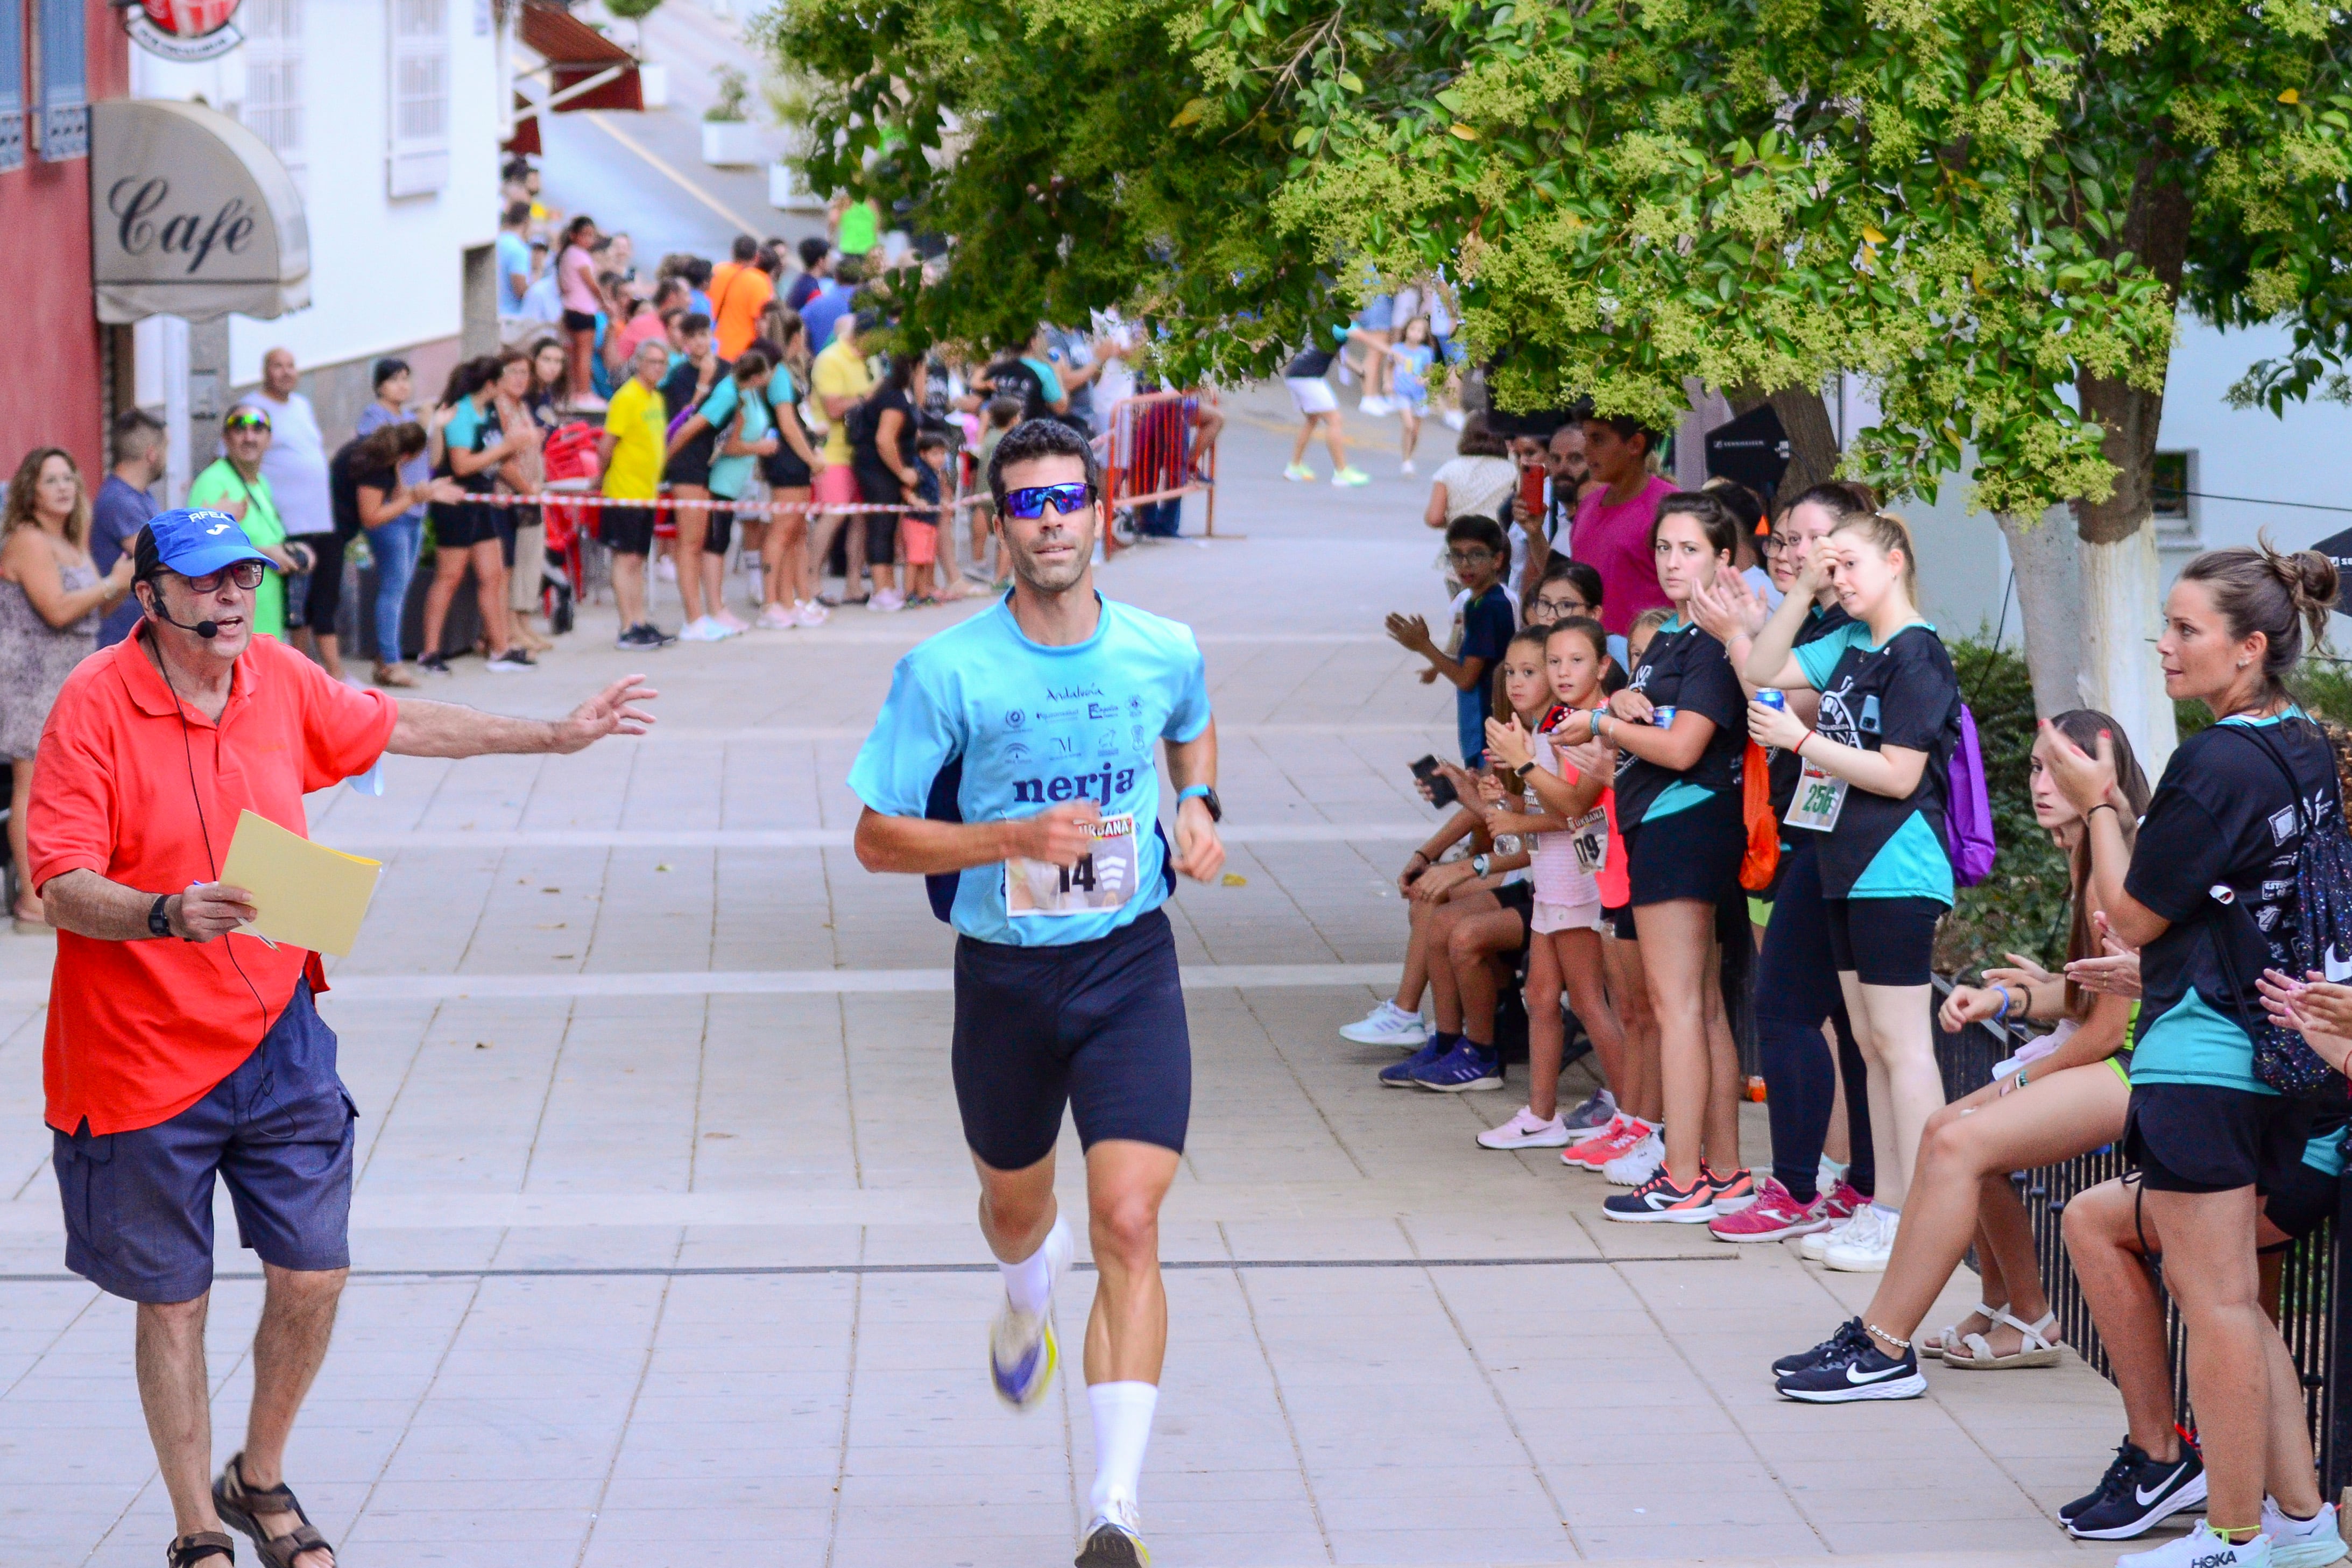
(514, 261)
(1023, 727)
(728, 475)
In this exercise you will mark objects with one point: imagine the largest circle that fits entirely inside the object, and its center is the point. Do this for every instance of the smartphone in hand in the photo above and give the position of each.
(1440, 788)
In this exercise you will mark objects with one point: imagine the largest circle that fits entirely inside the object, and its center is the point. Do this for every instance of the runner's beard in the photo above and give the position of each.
(1058, 578)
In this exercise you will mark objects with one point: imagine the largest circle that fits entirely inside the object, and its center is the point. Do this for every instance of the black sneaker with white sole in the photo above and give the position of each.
(2136, 1495)
(1856, 1372)
(1849, 1334)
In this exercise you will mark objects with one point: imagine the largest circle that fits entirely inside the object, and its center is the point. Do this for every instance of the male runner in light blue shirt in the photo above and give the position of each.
(1012, 764)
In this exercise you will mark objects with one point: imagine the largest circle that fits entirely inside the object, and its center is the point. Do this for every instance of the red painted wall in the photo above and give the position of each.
(58, 397)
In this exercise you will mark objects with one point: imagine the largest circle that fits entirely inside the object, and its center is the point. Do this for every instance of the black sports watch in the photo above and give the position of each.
(158, 923)
(1207, 795)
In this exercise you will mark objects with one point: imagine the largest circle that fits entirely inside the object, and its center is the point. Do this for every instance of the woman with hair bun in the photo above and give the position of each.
(2213, 867)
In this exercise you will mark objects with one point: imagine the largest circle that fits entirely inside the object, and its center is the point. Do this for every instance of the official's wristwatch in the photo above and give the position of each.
(1207, 795)
(158, 923)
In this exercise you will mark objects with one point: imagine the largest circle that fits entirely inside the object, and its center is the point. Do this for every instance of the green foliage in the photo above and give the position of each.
(633, 10)
(2022, 906)
(733, 102)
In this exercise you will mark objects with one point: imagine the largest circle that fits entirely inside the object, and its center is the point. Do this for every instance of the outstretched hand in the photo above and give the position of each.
(612, 711)
(1725, 607)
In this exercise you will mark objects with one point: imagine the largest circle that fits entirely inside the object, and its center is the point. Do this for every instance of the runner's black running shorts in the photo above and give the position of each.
(1098, 1026)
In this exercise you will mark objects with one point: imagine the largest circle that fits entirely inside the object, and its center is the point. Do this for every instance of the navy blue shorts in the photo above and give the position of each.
(1098, 1026)
(139, 1204)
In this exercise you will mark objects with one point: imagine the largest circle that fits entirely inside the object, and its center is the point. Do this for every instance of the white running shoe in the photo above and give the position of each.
(1454, 418)
(889, 601)
(1375, 408)
(1637, 1164)
(706, 630)
(1115, 1539)
(1525, 1130)
(1021, 1351)
(1816, 1248)
(1864, 1251)
(777, 618)
(1407, 468)
(2201, 1548)
(1388, 1024)
(2303, 1543)
(809, 613)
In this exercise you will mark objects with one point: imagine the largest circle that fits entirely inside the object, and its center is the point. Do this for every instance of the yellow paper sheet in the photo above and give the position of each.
(308, 895)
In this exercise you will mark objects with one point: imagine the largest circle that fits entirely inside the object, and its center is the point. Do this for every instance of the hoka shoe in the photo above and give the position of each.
(1773, 1217)
(2201, 1548)
(1021, 1352)
(1658, 1200)
(2312, 1542)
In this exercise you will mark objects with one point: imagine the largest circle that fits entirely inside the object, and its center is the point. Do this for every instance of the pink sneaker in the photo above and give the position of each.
(1595, 1153)
(1771, 1217)
(1842, 1204)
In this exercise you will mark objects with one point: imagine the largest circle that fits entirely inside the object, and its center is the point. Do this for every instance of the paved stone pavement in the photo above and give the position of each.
(662, 1233)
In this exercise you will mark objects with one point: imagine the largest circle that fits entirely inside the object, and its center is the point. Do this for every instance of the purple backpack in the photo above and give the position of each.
(1967, 808)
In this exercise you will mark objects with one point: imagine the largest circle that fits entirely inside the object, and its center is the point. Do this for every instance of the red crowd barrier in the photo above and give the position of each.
(1151, 452)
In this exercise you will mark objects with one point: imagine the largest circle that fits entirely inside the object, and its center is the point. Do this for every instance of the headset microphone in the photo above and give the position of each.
(204, 629)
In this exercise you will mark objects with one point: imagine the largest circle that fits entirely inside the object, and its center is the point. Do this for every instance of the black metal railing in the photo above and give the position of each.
(2314, 1275)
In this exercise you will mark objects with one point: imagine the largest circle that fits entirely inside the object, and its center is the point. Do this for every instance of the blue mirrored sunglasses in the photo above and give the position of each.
(1067, 499)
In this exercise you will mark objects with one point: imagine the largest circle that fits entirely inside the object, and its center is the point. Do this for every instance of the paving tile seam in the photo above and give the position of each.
(761, 1270)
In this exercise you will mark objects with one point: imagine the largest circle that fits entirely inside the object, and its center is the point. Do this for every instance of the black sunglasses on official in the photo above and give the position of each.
(1069, 499)
(244, 574)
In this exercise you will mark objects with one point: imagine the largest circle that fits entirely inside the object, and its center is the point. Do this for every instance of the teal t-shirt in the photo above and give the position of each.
(729, 474)
(983, 725)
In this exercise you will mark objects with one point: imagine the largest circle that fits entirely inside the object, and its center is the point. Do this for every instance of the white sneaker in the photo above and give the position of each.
(889, 601)
(2201, 1548)
(1525, 1130)
(707, 630)
(1388, 1024)
(1863, 1251)
(1637, 1164)
(1021, 1352)
(1375, 408)
(1816, 1246)
(809, 613)
(1114, 1538)
(1407, 468)
(777, 618)
(1454, 418)
(2303, 1543)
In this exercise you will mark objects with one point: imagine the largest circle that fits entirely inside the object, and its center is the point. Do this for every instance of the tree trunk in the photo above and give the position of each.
(1805, 420)
(2042, 554)
(2122, 579)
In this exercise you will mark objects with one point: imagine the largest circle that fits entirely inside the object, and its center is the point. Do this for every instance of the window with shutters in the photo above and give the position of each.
(419, 162)
(273, 108)
(12, 84)
(63, 72)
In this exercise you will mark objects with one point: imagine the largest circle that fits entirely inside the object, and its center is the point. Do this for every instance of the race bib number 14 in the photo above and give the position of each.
(1103, 879)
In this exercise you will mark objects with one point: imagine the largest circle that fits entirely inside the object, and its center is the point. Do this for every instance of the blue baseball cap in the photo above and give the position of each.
(194, 541)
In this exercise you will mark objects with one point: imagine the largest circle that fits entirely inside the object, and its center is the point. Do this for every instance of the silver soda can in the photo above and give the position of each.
(1772, 696)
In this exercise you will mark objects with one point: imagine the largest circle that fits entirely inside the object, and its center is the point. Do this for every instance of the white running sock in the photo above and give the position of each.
(1029, 1284)
(1122, 1432)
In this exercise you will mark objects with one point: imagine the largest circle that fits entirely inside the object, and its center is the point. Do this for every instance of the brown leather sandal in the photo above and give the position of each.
(205, 1544)
(240, 1503)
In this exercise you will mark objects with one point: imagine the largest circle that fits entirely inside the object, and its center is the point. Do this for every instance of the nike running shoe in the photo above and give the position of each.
(1464, 1067)
(2138, 1493)
(1388, 1024)
(1021, 1351)
(1525, 1129)
(2312, 1542)
(1659, 1200)
(1616, 1141)
(1856, 1372)
(1115, 1539)
(1639, 1163)
(1775, 1215)
(1849, 1335)
(1401, 1075)
(1595, 1117)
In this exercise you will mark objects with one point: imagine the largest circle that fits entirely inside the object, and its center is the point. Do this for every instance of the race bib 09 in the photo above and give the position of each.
(1102, 879)
(1588, 836)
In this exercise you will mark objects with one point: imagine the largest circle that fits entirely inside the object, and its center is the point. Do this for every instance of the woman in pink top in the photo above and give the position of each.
(576, 284)
(1611, 531)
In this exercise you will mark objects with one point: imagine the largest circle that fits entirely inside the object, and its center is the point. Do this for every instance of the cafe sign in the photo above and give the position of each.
(184, 30)
(192, 216)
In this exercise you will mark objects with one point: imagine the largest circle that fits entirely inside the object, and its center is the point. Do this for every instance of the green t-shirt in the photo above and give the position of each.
(220, 482)
(861, 229)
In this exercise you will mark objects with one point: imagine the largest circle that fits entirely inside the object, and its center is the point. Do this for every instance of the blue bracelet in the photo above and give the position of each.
(1192, 792)
(2003, 990)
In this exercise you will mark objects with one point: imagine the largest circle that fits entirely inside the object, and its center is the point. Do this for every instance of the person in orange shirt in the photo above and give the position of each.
(178, 1047)
(739, 291)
